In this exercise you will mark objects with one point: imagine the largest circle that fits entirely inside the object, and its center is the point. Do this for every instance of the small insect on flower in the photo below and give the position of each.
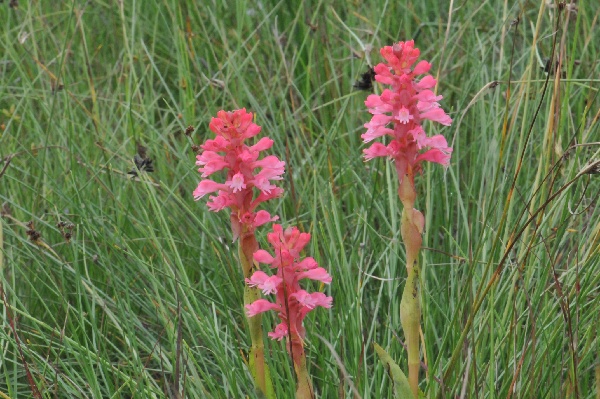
(142, 162)
(366, 80)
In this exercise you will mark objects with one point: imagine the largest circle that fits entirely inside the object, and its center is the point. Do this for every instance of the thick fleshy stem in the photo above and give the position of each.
(410, 307)
(304, 389)
(259, 369)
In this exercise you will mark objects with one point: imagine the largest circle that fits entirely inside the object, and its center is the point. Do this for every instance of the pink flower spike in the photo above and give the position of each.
(246, 171)
(400, 110)
(294, 302)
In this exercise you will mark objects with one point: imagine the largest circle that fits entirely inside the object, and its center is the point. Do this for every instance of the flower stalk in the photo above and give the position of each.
(399, 113)
(292, 303)
(245, 173)
(247, 245)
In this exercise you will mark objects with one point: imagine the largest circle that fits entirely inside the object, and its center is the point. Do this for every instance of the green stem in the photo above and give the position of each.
(410, 316)
(304, 389)
(410, 307)
(258, 367)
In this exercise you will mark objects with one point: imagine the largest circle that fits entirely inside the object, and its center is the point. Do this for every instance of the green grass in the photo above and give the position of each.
(147, 294)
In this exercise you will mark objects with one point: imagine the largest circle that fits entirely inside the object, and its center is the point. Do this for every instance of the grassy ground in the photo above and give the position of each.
(145, 298)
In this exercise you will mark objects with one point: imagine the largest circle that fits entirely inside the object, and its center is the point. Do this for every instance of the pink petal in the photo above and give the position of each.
(376, 150)
(262, 256)
(281, 331)
(303, 239)
(376, 127)
(268, 284)
(263, 217)
(426, 83)
(262, 197)
(428, 96)
(376, 105)
(260, 306)
(312, 300)
(437, 115)
(270, 162)
(307, 264)
(206, 157)
(212, 166)
(422, 67)
(207, 186)
(320, 299)
(263, 185)
(383, 74)
(258, 277)
(247, 156)
(403, 115)
(236, 183)
(439, 141)
(434, 155)
(218, 144)
(319, 274)
(221, 201)
(252, 131)
(263, 144)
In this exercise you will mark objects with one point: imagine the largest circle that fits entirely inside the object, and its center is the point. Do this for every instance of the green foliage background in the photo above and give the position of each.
(145, 299)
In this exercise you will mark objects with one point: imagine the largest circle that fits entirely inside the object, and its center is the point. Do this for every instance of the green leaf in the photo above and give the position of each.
(399, 380)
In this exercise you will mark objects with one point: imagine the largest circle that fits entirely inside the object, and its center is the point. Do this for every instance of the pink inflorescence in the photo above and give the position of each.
(245, 171)
(292, 302)
(399, 112)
